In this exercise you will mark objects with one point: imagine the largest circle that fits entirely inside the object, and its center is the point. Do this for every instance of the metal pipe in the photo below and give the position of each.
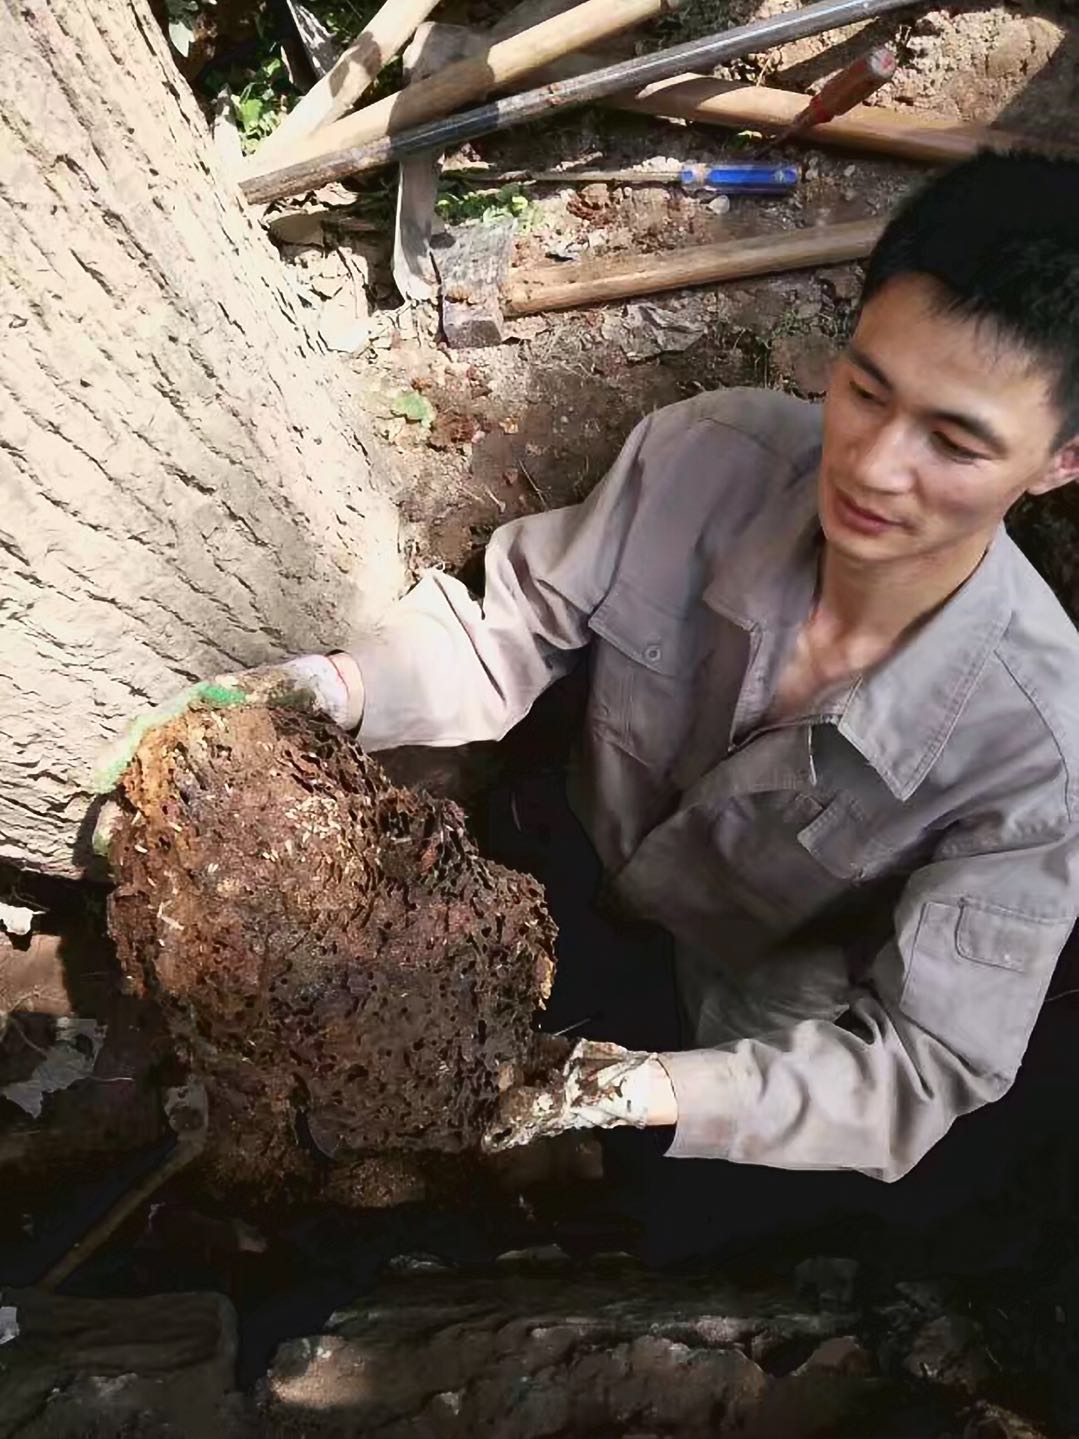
(633, 74)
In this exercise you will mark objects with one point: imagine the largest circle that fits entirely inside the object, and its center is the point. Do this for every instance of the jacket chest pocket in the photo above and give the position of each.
(641, 694)
(797, 851)
(857, 846)
(760, 840)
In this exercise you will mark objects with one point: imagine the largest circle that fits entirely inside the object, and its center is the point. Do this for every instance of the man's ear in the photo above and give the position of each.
(1062, 468)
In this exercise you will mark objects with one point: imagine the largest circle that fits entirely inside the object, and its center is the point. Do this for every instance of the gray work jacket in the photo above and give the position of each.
(868, 901)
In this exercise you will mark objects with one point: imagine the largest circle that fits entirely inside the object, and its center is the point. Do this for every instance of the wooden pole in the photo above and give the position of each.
(336, 93)
(589, 282)
(909, 134)
(317, 158)
(906, 134)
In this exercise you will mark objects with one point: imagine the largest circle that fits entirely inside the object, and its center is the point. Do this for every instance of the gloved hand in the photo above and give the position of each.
(599, 1086)
(322, 684)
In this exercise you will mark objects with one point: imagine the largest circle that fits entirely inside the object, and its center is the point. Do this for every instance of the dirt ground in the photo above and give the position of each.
(534, 422)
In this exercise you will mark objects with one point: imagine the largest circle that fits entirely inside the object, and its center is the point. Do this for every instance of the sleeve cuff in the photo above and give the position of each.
(714, 1093)
(404, 689)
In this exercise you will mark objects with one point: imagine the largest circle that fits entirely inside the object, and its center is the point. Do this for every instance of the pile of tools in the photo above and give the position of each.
(324, 138)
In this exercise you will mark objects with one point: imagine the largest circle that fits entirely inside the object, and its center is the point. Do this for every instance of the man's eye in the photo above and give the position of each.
(867, 395)
(952, 451)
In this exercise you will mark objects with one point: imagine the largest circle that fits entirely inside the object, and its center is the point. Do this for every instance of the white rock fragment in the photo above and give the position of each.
(17, 918)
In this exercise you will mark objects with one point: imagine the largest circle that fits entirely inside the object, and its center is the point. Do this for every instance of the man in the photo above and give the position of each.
(832, 735)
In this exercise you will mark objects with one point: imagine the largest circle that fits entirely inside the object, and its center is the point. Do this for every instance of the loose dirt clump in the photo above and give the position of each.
(333, 956)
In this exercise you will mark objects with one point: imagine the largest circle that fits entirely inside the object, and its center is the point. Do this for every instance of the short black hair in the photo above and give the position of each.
(1000, 236)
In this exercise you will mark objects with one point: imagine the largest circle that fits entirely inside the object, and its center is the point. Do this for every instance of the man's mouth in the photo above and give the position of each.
(859, 518)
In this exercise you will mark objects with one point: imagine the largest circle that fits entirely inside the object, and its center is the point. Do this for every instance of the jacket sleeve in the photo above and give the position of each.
(443, 668)
(939, 1027)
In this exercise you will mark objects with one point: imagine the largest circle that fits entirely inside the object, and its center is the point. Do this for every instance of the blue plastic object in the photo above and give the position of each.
(741, 179)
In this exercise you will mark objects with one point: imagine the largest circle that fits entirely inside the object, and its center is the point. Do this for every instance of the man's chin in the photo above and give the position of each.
(892, 543)
(871, 550)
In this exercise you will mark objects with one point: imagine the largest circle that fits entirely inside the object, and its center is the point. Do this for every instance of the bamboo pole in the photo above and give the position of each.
(911, 135)
(317, 158)
(589, 282)
(336, 93)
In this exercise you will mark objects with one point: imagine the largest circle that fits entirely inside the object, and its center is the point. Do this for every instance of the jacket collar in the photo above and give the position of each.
(900, 715)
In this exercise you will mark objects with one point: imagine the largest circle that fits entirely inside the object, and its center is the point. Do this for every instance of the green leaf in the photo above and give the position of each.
(414, 407)
(248, 111)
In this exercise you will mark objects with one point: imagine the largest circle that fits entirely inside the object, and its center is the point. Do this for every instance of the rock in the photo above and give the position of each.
(645, 330)
(537, 1350)
(842, 1354)
(924, 1294)
(989, 1421)
(1012, 51)
(846, 283)
(340, 327)
(471, 264)
(328, 273)
(813, 1402)
(948, 1350)
(345, 319)
(34, 969)
(297, 227)
(152, 1368)
(17, 918)
(830, 1281)
(806, 360)
(648, 211)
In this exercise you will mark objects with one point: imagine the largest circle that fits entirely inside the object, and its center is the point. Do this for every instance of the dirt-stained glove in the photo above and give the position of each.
(319, 683)
(599, 1086)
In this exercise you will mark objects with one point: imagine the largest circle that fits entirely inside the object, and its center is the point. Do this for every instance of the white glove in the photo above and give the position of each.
(599, 1086)
(333, 683)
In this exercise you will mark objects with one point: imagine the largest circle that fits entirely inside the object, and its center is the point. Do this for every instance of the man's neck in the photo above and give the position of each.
(883, 602)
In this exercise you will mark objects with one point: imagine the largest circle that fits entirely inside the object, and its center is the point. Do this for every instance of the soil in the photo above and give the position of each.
(332, 955)
(533, 423)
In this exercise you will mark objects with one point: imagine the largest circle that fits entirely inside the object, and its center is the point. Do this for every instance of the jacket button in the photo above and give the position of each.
(652, 653)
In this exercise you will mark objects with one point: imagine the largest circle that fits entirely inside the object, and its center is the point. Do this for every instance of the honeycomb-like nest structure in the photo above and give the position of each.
(332, 955)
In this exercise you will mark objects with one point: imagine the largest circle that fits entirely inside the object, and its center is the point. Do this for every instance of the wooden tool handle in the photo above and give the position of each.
(587, 282)
(912, 134)
(852, 85)
(505, 60)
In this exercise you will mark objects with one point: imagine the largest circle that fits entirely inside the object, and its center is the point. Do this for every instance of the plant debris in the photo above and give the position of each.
(413, 406)
(334, 958)
(507, 202)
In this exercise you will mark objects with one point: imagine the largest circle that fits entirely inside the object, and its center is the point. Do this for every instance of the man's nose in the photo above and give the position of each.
(885, 460)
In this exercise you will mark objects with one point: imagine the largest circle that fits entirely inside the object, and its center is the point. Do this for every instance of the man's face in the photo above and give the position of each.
(933, 426)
